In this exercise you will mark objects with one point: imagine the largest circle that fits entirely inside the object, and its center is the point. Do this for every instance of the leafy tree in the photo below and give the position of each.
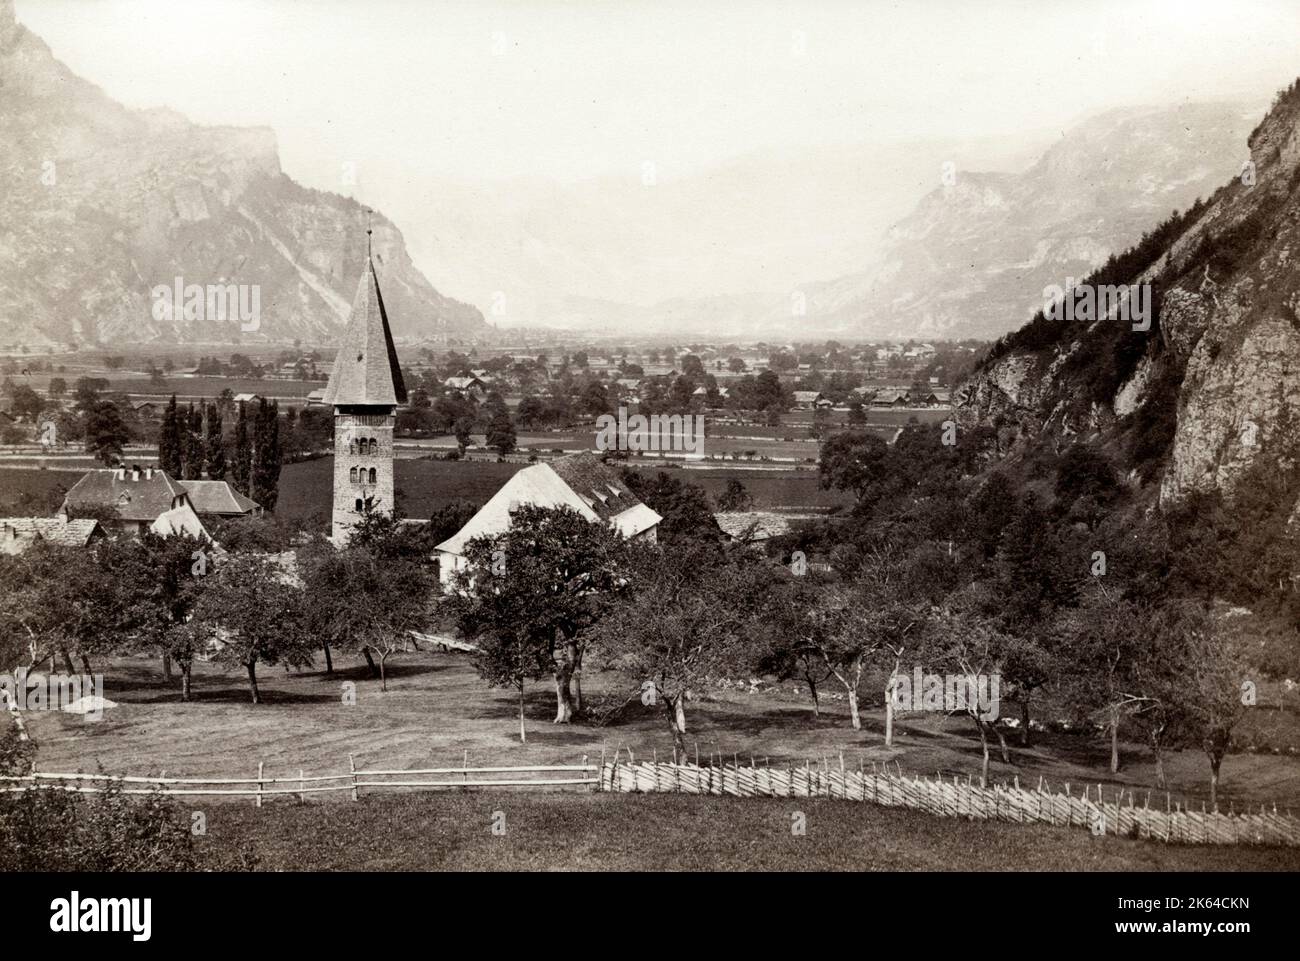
(106, 433)
(689, 621)
(544, 583)
(264, 478)
(683, 506)
(242, 468)
(170, 447)
(856, 461)
(735, 497)
(501, 433)
(214, 449)
(192, 443)
(254, 608)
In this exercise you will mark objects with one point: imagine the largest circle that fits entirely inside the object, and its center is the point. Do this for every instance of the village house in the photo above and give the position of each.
(132, 499)
(19, 533)
(581, 482)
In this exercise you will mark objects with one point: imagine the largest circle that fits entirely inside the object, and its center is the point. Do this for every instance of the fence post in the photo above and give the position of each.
(352, 766)
(259, 783)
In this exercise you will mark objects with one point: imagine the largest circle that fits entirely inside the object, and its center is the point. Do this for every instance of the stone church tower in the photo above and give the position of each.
(365, 388)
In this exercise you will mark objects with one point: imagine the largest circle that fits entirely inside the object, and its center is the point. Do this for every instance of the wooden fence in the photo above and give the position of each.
(1120, 814)
(1123, 813)
(355, 781)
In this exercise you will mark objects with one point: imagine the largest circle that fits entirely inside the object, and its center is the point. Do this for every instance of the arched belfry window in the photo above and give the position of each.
(374, 446)
(373, 476)
(358, 505)
(352, 446)
(352, 475)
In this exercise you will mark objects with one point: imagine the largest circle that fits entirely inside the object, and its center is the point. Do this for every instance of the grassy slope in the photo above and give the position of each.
(436, 709)
(623, 832)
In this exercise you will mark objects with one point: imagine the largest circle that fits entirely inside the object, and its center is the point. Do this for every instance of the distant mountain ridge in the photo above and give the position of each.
(973, 256)
(100, 204)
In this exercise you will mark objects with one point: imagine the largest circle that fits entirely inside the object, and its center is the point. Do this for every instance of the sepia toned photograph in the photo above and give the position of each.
(648, 437)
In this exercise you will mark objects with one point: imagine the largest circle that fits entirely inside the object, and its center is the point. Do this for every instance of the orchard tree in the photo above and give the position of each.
(690, 620)
(253, 609)
(545, 583)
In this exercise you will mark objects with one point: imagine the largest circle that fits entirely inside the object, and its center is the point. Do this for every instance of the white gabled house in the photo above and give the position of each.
(581, 482)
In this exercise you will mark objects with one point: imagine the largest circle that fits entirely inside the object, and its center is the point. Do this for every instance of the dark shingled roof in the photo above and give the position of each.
(217, 497)
(596, 483)
(366, 371)
(134, 500)
(19, 533)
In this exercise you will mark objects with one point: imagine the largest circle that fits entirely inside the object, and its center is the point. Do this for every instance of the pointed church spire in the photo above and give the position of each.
(366, 370)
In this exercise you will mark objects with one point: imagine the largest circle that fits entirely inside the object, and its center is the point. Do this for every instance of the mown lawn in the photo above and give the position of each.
(630, 832)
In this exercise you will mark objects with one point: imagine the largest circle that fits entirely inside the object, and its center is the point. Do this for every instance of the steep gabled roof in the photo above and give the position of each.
(135, 496)
(580, 482)
(217, 497)
(366, 371)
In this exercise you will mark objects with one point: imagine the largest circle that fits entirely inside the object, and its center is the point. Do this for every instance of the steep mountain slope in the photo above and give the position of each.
(1212, 390)
(973, 258)
(100, 204)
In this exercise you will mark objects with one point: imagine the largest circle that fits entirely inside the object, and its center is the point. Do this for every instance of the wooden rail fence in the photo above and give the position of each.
(1125, 813)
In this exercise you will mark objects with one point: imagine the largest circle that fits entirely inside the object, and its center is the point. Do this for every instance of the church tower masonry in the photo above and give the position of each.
(364, 388)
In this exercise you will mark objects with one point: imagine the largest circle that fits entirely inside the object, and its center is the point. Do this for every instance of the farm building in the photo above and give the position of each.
(581, 482)
(809, 400)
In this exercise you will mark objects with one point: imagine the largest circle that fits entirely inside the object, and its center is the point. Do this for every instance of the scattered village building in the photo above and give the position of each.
(137, 497)
(806, 399)
(748, 527)
(247, 398)
(581, 482)
(364, 389)
(468, 386)
(316, 398)
(891, 398)
(19, 533)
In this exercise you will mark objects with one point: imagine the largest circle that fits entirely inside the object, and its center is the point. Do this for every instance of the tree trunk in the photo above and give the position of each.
(984, 746)
(854, 716)
(1024, 722)
(523, 735)
(564, 659)
(252, 681)
(675, 711)
(812, 686)
(1114, 744)
(889, 711)
(329, 661)
(1160, 759)
(185, 680)
(85, 665)
(374, 671)
(577, 683)
(1002, 744)
(68, 669)
(1214, 781)
(167, 666)
(383, 677)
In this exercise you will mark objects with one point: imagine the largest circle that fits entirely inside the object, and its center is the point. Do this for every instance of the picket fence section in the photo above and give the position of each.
(1123, 815)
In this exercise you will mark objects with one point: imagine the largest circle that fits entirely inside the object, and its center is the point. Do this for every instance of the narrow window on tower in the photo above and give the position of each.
(374, 446)
(358, 505)
(352, 446)
(373, 476)
(352, 475)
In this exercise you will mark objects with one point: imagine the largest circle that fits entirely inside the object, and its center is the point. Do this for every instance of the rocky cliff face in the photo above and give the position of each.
(1223, 355)
(100, 205)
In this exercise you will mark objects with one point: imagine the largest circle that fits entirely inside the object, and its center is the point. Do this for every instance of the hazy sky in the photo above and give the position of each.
(570, 90)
